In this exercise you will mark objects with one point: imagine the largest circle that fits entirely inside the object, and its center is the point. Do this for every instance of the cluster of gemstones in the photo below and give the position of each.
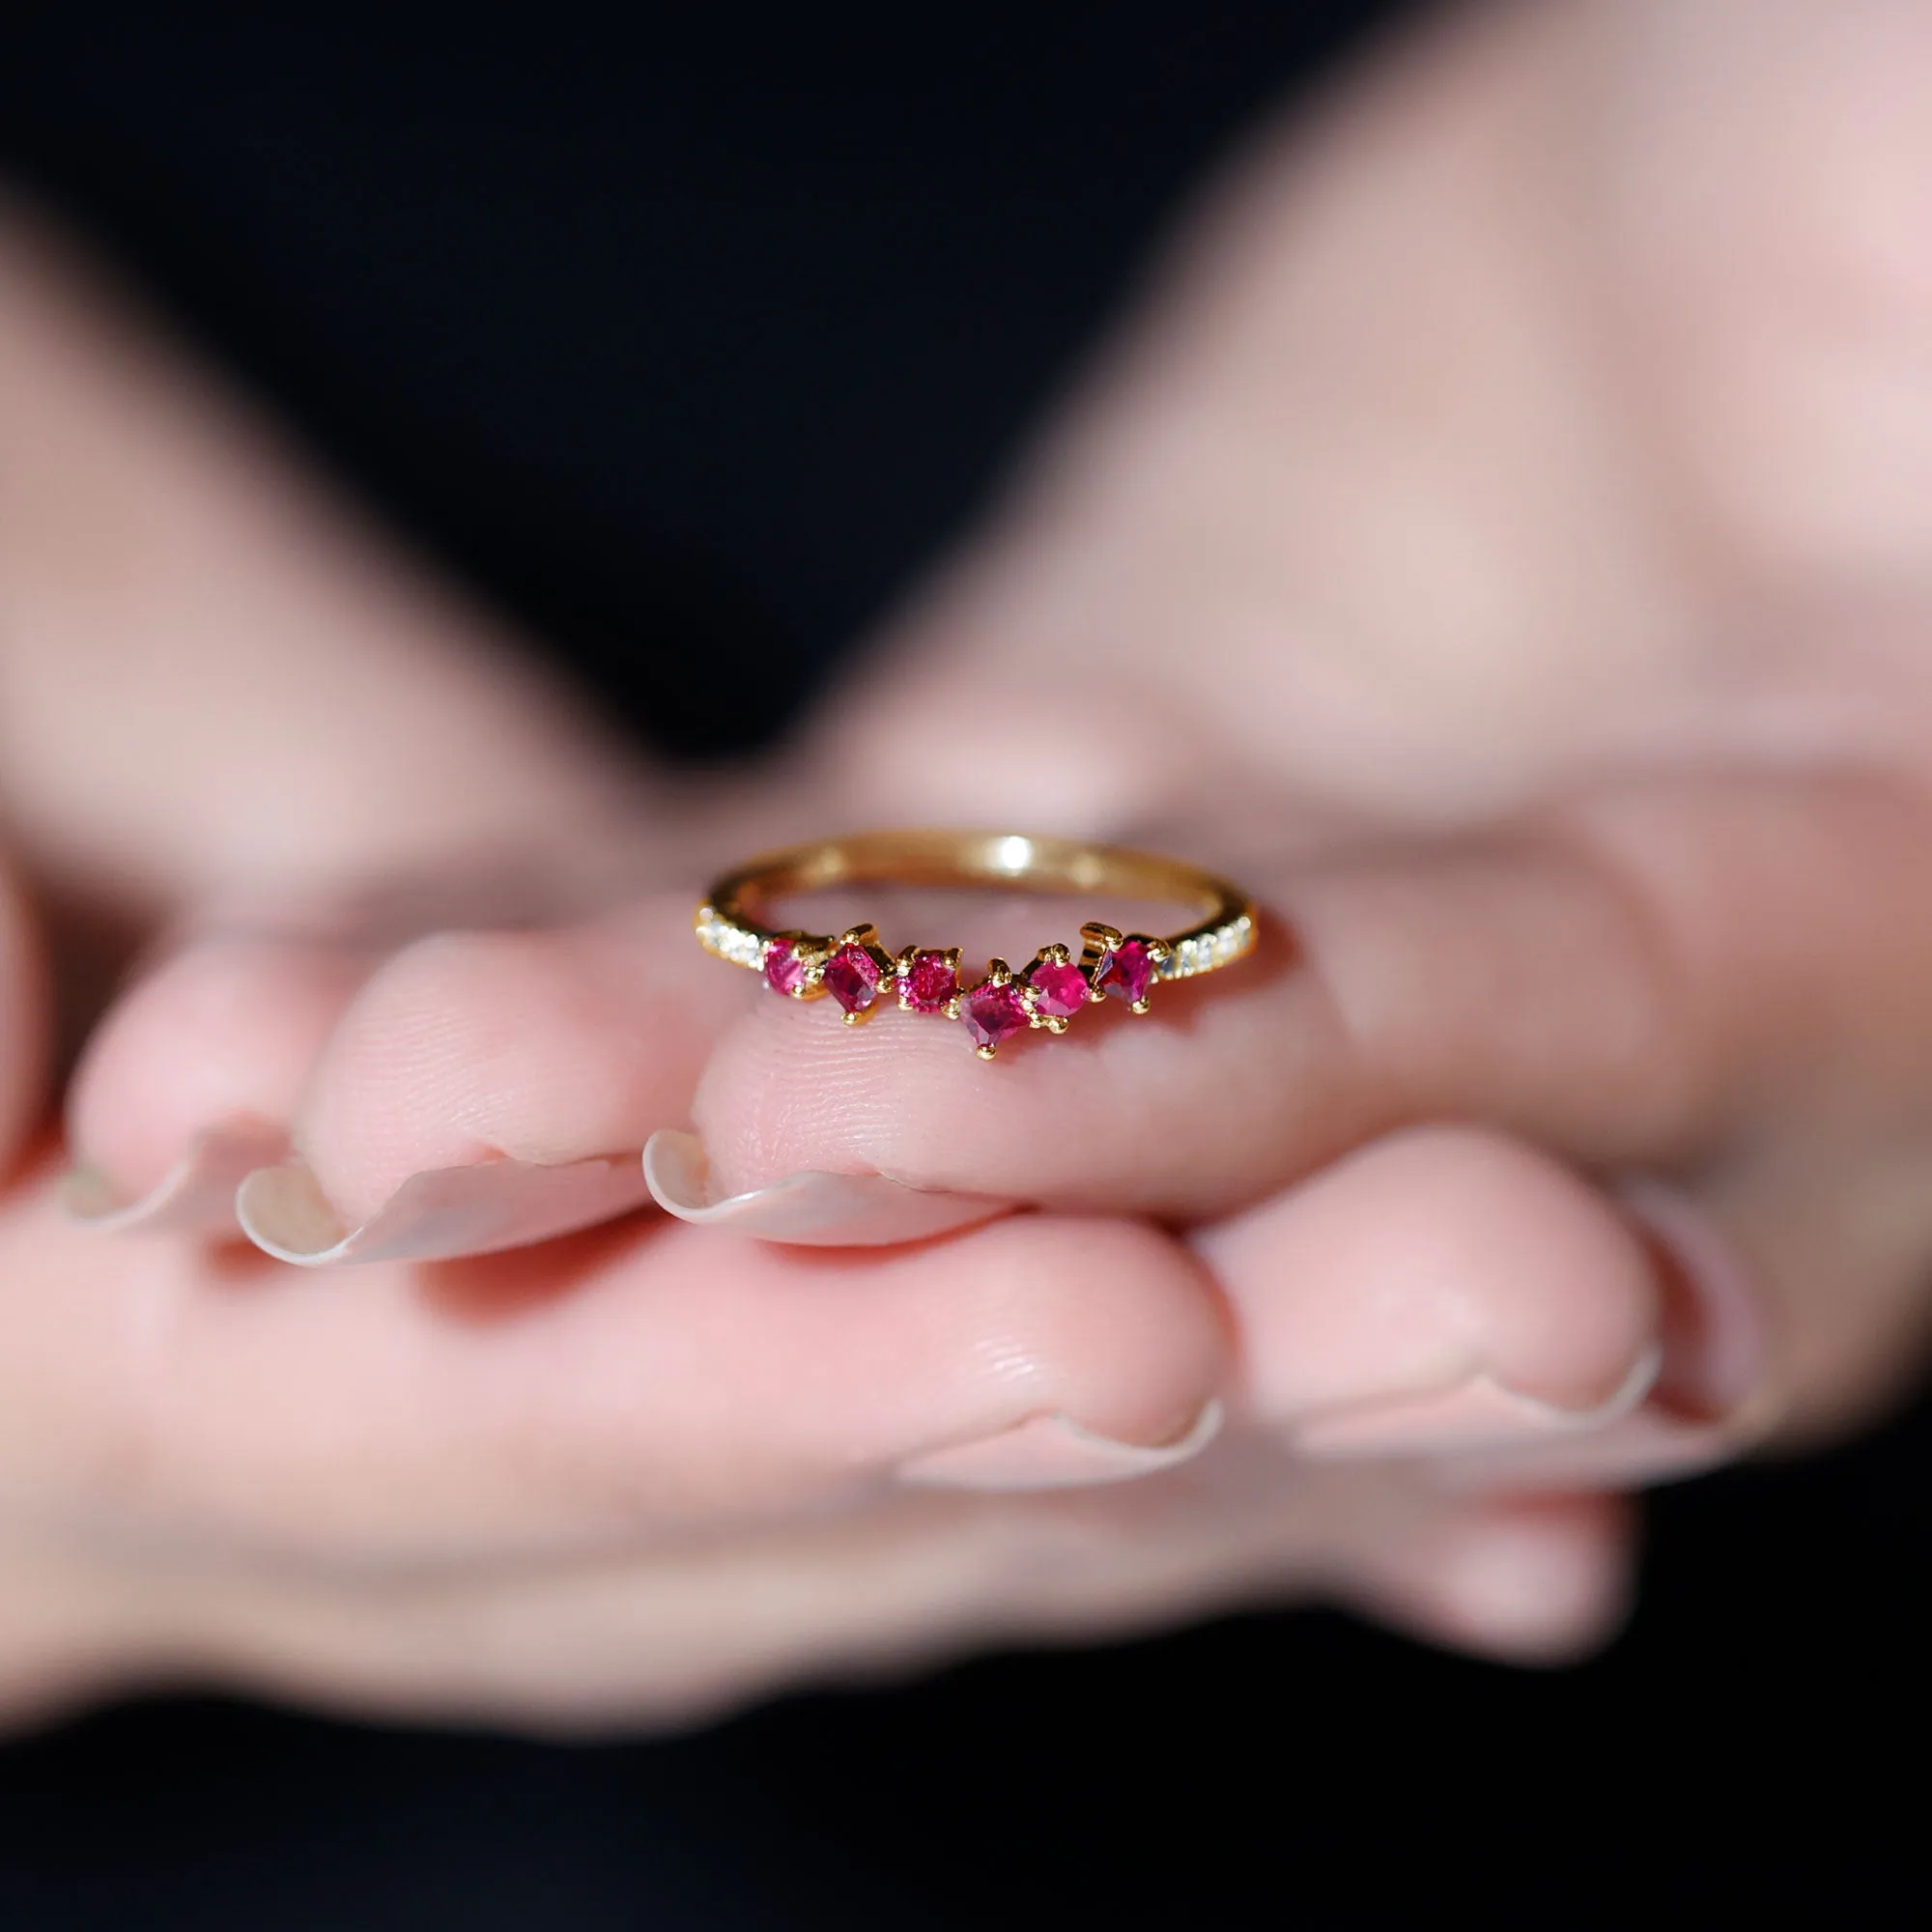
(857, 973)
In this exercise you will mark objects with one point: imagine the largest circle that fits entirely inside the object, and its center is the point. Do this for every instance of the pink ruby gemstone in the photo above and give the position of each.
(1126, 972)
(1059, 989)
(785, 970)
(991, 1013)
(852, 978)
(930, 982)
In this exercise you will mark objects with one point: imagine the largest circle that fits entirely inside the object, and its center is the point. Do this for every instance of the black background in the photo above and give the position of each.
(690, 337)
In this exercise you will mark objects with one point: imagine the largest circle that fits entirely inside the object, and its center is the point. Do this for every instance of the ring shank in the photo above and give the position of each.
(732, 922)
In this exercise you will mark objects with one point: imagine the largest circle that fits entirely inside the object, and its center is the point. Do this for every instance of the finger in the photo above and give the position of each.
(486, 1088)
(645, 1381)
(1531, 1580)
(1449, 1295)
(191, 1080)
(1435, 1290)
(685, 1631)
(1636, 984)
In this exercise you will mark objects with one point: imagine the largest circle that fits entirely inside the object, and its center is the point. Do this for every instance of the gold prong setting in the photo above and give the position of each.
(1123, 965)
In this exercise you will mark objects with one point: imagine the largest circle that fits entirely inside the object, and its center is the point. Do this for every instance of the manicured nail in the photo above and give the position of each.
(196, 1194)
(811, 1210)
(1634, 1452)
(1054, 1452)
(439, 1215)
(1477, 1411)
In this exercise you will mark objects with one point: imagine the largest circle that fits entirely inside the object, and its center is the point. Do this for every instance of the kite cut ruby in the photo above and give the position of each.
(852, 978)
(993, 1013)
(929, 982)
(1059, 989)
(1126, 972)
(785, 970)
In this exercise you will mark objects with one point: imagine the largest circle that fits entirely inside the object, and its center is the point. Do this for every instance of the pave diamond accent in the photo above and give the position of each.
(1203, 952)
(735, 943)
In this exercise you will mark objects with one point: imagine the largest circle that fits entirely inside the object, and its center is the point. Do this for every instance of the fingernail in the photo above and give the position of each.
(1715, 1348)
(196, 1194)
(1476, 1412)
(1632, 1453)
(439, 1215)
(1054, 1452)
(811, 1210)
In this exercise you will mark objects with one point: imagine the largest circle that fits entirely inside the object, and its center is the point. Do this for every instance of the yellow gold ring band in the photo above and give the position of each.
(858, 973)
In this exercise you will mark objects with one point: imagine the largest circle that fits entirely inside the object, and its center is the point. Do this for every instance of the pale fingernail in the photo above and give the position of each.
(1632, 1453)
(1054, 1452)
(1476, 1412)
(196, 1194)
(811, 1210)
(439, 1215)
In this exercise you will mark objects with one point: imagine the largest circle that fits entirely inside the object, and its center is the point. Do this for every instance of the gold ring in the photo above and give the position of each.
(857, 971)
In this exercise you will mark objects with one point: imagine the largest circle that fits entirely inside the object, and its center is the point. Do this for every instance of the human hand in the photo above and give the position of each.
(1501, 544)
(633, 1473)
(625, 1496)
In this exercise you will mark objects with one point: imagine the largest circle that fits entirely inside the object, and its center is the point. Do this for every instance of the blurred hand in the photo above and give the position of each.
(1500, 544)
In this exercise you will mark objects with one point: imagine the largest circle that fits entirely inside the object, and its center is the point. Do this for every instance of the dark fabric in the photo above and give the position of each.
(690, 337)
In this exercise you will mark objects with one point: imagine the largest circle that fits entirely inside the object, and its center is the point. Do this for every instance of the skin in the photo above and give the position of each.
(1499, 540)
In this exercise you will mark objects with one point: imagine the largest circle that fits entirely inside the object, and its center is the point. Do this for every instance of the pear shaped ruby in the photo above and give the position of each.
(992, 1013)
(852, 978)
(1059, 989)
(1126, 972)
(785, 970)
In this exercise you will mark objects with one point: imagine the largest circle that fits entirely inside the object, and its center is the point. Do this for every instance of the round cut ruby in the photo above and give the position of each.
(993, 1013)
(1059, 989)
(785, 970)
(852, 978)
(929, 982)
(1126, 972)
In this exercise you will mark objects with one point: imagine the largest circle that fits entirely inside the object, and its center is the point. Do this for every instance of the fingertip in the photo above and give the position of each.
(1537, 1581)
(194, 1075)
(536, 1047)
(196, 1194)
(1128, 1323)
(1446, 1283)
